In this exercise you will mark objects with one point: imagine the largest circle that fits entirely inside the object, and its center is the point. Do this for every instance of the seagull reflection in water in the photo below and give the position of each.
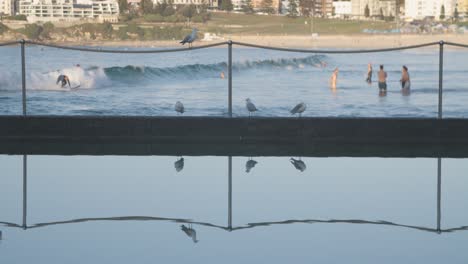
(250, 164)
(298, 164)
(179, 164)
(190, 232)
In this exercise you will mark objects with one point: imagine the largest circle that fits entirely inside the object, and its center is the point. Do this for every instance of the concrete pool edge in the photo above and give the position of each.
(104, 135)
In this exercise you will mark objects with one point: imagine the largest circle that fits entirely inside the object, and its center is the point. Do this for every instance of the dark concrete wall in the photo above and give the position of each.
(237, 136)
(199, 129)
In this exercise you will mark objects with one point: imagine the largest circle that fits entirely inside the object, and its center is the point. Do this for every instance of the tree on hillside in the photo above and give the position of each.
(306, 7)
(123, 6)
(367, 11)
(189, 11)
(455, 14)
(247, 6)
(442, 12)
(381, 14)
(146, 6)
(267, 6)
(292, 12)
(226, 5)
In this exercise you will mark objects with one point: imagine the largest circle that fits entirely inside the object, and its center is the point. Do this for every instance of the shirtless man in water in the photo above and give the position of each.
(382, 79)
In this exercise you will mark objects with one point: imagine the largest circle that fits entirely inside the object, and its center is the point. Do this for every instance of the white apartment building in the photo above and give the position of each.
(184, 2)
(342, 8)
(69, 10)
(6, 7)
(388, 7)
(419, 9)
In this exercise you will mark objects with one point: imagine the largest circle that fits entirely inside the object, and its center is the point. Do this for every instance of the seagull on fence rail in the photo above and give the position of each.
(298, 109)
(250, 106)
(190, 38)
(179, 108)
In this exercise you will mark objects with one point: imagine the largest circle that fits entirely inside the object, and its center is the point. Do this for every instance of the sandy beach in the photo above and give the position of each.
(294, 41)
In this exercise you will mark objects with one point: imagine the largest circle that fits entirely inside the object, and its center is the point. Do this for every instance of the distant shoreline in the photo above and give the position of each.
(294, 41)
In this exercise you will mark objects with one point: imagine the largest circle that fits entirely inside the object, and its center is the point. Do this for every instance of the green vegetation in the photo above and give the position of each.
(293, 8)
(3, 29)
(157, 26)
(247, 7)
(17, 17)
(226, 5)
(230, 23)
(442, 12)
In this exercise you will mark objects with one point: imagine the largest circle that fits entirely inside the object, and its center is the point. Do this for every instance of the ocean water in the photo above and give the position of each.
(120, 209)
(150, 84)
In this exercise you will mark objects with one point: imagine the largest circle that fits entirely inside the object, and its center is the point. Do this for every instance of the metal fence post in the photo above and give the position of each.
(230, 77)
(23, 75)
(441, 71)
(439, 193)
(25, 189)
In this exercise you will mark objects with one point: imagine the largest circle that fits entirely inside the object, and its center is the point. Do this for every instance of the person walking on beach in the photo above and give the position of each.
(369, 73)
(334, 78)
(405, 80)
(382, 79)
(64, 80)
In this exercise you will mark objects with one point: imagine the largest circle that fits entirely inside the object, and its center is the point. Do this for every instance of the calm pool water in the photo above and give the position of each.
(147, 209)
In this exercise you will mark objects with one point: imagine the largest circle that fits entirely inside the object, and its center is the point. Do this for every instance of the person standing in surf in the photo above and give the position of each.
(334, 78)
(369, 73)
(405, 80)
(382, 79)
(64, 80)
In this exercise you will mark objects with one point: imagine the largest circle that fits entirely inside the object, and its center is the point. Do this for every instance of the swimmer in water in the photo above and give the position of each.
(369, 73)
(64, 80)
(334, 78)
(405, 79)
(222, 75)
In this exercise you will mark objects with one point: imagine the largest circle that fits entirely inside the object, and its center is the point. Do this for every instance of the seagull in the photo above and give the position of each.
(298, 109)
(190, 38)
(189, 231)
(179, 164)
(298, 164)
(179, 108)
(249, 165)
(250, 106)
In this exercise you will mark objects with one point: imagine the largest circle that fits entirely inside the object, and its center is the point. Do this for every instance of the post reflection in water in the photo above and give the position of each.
(189, 230)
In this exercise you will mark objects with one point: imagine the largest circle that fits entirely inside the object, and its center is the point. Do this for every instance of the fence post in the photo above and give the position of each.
(23, 75)
(439, 193)
(441, 71)
(230, 77)
(25, 190)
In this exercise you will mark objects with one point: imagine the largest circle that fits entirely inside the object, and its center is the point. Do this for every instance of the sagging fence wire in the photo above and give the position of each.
(230, 44)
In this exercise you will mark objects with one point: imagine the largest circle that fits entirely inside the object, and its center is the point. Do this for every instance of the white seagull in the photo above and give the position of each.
(298, 109)
(250, 106)
(179, 108)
